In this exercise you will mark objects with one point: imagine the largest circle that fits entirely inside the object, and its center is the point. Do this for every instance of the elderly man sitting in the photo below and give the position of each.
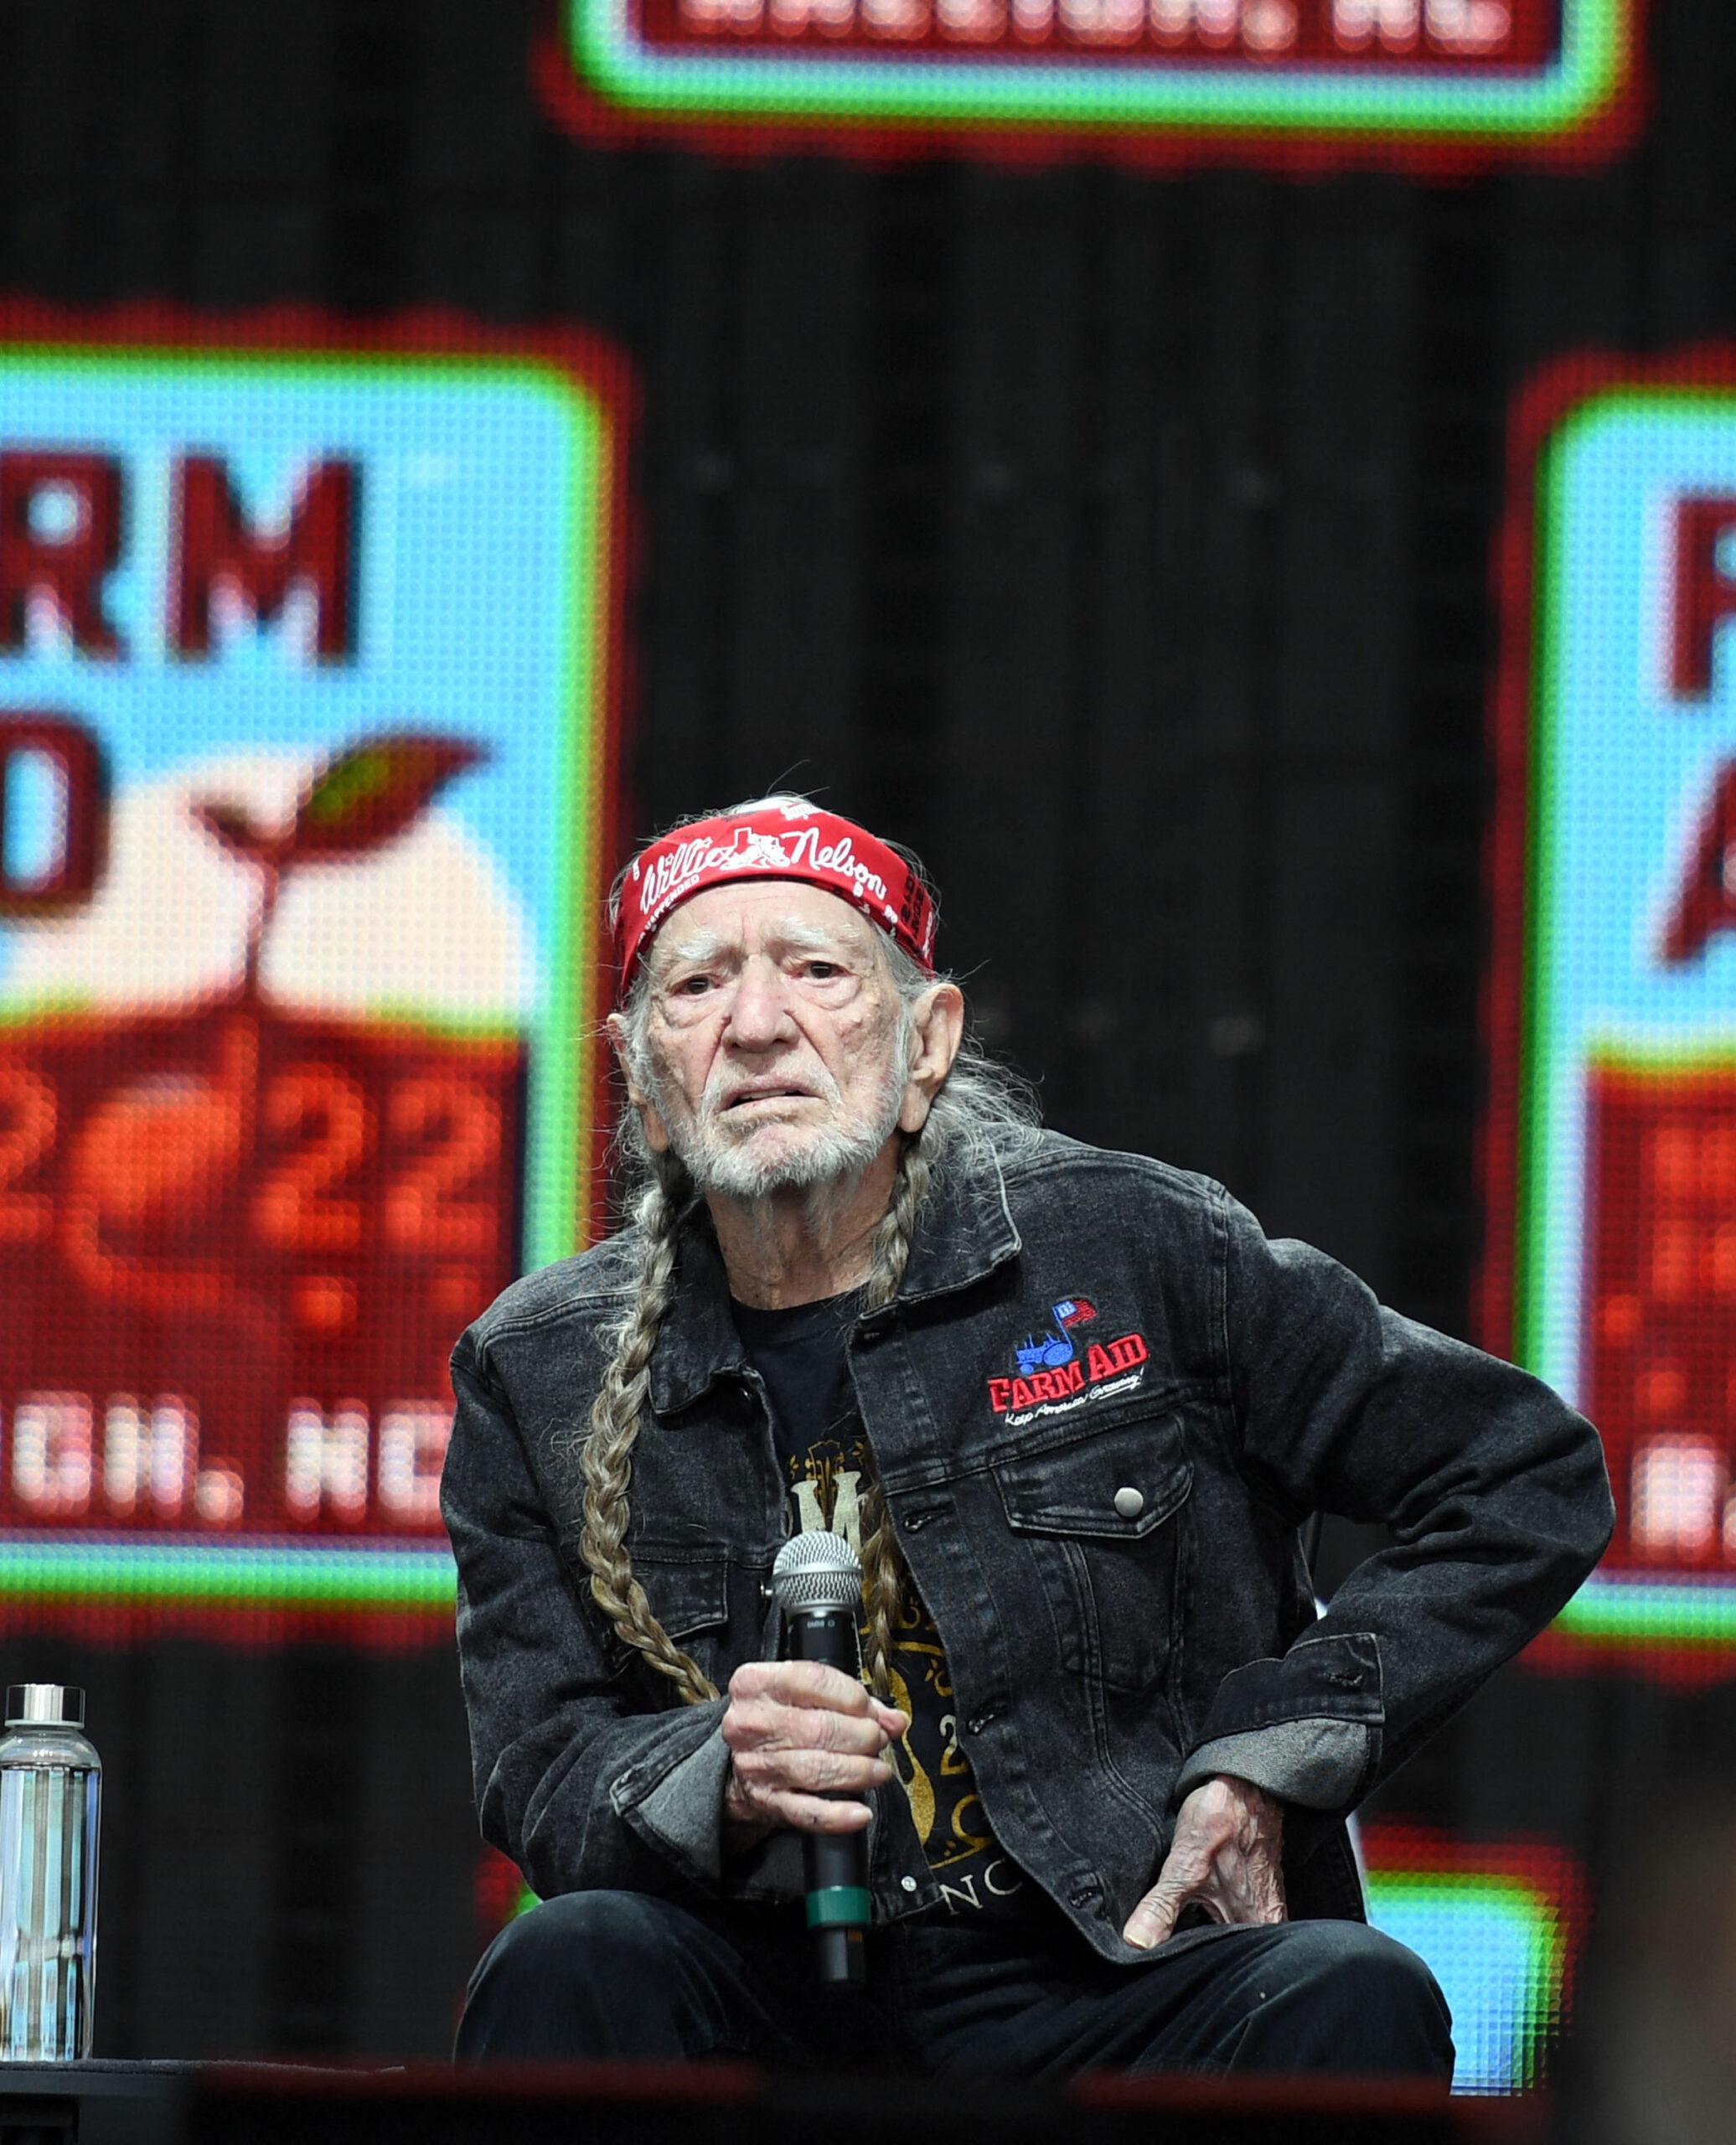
(1073, 1408)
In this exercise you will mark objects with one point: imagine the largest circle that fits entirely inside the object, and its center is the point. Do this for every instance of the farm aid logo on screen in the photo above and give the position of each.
(1612, 1265)
(302, 724)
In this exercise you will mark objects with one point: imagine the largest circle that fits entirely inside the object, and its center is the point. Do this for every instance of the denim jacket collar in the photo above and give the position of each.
(964, 1231)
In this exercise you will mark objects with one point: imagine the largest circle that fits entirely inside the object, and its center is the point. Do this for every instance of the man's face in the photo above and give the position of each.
(776, 1043)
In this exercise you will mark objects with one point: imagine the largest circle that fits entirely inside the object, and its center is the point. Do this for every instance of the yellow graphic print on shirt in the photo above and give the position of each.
(825, 1488)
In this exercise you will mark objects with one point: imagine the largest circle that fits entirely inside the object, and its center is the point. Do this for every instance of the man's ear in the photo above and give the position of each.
(939, 1029)
(657, 1135)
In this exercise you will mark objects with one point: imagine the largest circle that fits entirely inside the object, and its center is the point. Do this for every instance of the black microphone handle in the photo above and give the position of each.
(828, 1635)
(835, 1865)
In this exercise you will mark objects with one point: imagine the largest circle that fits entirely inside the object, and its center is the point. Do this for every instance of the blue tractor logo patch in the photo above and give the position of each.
(1048, 1349)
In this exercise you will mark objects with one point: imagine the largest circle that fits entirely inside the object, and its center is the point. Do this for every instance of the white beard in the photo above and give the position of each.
(756, 1161)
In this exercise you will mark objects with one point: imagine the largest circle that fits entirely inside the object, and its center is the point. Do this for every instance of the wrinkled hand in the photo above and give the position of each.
(1226, 1857)
(799, 1734)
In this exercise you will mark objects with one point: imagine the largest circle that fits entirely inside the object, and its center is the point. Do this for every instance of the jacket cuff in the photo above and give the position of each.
(1318, 1765)
(672, 1797)
(1306, 1728)
(677, 1809)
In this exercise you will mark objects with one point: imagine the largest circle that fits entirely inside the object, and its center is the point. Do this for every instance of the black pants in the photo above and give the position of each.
(622, 1974)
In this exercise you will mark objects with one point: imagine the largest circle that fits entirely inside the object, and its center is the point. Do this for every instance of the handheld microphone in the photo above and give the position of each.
(817, 1582)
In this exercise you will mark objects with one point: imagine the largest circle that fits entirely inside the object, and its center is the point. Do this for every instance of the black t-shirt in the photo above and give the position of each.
(823, 1452)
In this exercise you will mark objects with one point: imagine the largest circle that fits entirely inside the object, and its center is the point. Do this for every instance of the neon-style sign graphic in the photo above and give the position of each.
(1612, 1266)
(1307, 82)
(305, 703)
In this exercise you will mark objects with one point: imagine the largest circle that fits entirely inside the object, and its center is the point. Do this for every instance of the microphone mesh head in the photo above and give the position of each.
(816, 1571)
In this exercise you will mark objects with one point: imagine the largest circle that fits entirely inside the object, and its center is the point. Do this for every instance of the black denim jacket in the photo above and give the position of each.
(1102, 1404)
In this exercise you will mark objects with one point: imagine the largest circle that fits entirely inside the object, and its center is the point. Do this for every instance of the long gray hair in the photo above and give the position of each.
(981, 1108)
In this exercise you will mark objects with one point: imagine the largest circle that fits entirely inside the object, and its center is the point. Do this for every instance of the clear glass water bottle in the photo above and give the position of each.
(50, 1797)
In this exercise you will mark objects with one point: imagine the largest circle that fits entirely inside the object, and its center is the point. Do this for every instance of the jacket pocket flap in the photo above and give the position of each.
(685, 1598)
(1116, 1485)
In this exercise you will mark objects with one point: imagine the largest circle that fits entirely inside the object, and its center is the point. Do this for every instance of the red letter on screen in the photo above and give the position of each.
(1706, 901)
(1704, 594)
(215, 547)
(77, 759)
(59, 534)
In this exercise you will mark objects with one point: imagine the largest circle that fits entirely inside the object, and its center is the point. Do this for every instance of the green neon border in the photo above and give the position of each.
(1688, 1612)
(1692, 1612)
(381, 1571)
(1519, 1905)
(961, 91)
(251, 1572)
(1535, 1050)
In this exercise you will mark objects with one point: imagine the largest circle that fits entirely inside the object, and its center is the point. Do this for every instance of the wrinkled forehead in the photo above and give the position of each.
(768, 916)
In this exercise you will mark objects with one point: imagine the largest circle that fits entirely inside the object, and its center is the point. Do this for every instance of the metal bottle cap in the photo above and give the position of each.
(58, 1705)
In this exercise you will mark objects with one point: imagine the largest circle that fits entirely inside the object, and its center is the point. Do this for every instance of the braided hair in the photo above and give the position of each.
(884, 1572)
(606, 1458)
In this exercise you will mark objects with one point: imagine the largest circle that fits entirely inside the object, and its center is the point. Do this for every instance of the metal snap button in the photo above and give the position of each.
(1129, 1502)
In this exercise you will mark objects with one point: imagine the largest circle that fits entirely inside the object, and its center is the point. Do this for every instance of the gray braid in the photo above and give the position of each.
(607, 1454)
(884, 1576)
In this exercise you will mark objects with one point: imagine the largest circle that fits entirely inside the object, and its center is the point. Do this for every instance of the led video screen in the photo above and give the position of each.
(1501, 1925)
(1420, 83)
(1613, 1139)
(305, 670)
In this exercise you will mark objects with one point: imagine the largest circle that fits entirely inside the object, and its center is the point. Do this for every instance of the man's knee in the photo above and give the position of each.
(583, 1933)
(1358, 2001)
(566, 1977)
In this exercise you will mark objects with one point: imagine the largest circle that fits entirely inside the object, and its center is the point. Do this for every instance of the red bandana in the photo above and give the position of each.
(782, 842)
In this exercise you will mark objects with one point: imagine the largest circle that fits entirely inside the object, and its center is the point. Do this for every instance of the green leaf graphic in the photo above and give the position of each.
(368, 795)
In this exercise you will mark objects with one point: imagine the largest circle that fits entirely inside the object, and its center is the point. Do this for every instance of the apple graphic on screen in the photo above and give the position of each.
(243, 893)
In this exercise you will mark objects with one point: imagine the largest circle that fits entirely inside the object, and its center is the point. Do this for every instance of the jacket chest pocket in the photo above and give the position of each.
(690, 1599)
(1102, 1518)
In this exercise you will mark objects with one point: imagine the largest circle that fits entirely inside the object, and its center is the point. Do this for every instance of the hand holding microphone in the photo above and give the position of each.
(806, 1739)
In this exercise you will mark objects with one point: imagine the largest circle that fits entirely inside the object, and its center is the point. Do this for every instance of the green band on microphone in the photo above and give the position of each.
(839, 1906)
